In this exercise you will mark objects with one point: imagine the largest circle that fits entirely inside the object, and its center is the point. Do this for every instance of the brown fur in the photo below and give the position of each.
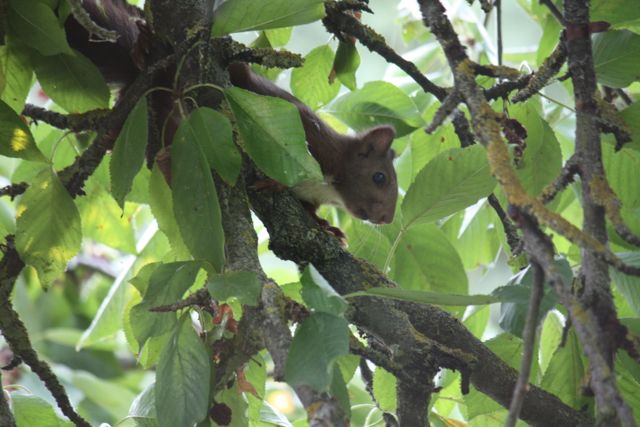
(349, 163)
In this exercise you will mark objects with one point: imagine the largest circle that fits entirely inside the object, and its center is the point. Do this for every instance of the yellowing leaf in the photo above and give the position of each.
(48, 231)
(15, 138)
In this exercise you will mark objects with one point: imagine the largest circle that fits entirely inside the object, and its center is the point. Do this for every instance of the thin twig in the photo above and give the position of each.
(554, 10)
(85, 20)
(562, 181)
(528, 341)
(91, 120)
(6, 417)
(510, 230)
(337, 22)
(14, 190)
(549, 68)
(200, 298)
(498, 5)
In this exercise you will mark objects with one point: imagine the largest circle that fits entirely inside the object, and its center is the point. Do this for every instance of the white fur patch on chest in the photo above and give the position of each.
(318, 193)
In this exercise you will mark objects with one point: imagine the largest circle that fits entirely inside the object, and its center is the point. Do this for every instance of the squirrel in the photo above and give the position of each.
(358, 169)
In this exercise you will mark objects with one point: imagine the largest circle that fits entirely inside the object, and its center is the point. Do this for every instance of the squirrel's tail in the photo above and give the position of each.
(115, 60)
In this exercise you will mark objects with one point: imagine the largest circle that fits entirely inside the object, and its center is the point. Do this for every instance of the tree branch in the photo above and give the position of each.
(549, 68)
(398, 325)
(17, 337)
(339, 23)
(91, 120)
(92, 28)
(562, 181)
(6, 416)
(486, 123)
(528, 340)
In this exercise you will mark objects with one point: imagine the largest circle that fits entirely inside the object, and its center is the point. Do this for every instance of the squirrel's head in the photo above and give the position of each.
(366, 179)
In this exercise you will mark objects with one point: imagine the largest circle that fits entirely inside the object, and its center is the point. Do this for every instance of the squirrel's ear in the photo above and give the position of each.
(379, 138)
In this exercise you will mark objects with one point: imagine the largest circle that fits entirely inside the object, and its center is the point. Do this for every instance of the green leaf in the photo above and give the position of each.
(549, 40)
(477, 235)
(182, 379)
(621, 14)
(271, 416)
(15, 137)
(72, 81)
(48, 231)
(629, 387)
(113, 398)
(542, 159)
(32, 411)
(477, 321)
(102, 219)
(319, 295)
(233, 399)
(516, 297)
(424, 147)
(245, 15)
(550, 339)
(509, 349)
(143, 409)
(166, 285)
(338, 390)
(35, 24)
(616, 58)
(128, 151)
(278, 37)
(631, 117)
(513, 315)
(212, 131)
(161, 202)
(316, 69)
(256, 375)
(622, 171)
(348, 365)
(384, 389)
(195, 200)
(242, 285)
(377, 103)
(273, 136)
(367, 241)
(346, 64)
(318, 342)
(16, 68)
(565, 375)
(426, 297)
(425, 260)
(108, 319)
(450, 182)
(629, 286)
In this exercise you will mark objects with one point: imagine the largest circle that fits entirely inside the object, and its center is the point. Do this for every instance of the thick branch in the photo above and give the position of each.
(596, 294)
(413, 401)
(295, 236)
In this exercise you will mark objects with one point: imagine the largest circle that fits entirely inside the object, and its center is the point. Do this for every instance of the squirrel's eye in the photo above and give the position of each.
(379, 178)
